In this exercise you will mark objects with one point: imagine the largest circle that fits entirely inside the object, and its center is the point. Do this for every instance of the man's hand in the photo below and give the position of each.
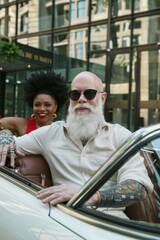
(56, 194)
(7, 147)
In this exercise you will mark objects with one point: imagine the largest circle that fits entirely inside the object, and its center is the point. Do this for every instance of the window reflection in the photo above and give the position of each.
(149, 87)
(119, 8)
(119, 88)
(141, 6)
(78, 51)
(99, 9)
(120, 73)
(27, 19)
(147, 30)
(78, 44)
(45, 12)
(98, 37)
(11, 23)
(45, 42)
(61, 12)
(79, 11)
(76, 32)
(2, 26)
(60, 50)
(97, 63)
(24, 23)
(120, 34)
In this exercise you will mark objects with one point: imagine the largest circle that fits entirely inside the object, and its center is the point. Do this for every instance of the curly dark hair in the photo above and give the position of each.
(48, 83)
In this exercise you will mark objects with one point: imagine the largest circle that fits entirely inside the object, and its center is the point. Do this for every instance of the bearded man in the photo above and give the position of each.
(75, 149)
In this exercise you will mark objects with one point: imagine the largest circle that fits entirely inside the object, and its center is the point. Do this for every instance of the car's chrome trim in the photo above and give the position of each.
(19, 180)
(110, 225)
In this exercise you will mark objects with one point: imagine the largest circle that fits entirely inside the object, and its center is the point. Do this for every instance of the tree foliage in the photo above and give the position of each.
(9, 51)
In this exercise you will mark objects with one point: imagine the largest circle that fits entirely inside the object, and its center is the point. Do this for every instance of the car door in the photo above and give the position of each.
(143, 218)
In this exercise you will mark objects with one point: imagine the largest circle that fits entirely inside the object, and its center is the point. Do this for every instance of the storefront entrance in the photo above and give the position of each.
(14, 74)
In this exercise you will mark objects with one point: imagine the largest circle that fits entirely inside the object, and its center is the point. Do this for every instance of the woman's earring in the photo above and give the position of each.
(33, 116)
(54, 115)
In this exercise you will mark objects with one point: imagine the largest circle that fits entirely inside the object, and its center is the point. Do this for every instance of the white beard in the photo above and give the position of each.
(84, 126)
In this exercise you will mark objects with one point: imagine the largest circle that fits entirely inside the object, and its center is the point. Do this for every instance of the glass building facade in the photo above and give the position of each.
(118, 40)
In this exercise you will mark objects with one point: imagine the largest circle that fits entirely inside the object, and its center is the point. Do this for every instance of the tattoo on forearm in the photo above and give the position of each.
(5, 137)
(123, 194)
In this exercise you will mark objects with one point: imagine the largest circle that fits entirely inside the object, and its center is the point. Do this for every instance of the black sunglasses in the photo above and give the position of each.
(89, 94)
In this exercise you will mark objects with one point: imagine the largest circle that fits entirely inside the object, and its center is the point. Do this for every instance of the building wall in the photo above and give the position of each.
(117, 40)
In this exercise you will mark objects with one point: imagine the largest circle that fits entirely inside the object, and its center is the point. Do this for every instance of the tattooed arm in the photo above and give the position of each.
(7, 147)
(121, 195)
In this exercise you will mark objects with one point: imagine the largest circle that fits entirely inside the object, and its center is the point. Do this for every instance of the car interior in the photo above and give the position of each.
(148, 209)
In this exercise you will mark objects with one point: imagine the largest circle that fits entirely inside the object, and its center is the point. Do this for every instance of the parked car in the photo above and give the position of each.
(23, 216)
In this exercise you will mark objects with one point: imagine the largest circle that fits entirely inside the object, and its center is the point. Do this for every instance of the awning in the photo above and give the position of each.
(31, 58)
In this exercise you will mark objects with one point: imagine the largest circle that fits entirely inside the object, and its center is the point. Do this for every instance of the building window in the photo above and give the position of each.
(24, 23)
(78, 9)
(2, 28)
(128, 4)
(137, 5)
(126, 26)
(125, 41)
(23, 4)
(79, 51)
(135, 39)
(137, 24)
(81, 9)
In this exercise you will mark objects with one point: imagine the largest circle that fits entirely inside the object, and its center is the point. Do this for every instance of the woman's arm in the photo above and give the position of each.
(16, 125)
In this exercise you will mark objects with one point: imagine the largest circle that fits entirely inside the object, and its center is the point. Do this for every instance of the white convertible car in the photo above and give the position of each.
(24, 217)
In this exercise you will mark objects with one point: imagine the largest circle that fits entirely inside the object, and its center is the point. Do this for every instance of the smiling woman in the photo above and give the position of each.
(46, 93)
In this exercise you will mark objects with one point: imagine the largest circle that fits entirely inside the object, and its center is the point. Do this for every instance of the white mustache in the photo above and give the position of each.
(85, 105)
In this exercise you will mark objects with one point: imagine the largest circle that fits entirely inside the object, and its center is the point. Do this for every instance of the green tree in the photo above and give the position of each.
(9, 51)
